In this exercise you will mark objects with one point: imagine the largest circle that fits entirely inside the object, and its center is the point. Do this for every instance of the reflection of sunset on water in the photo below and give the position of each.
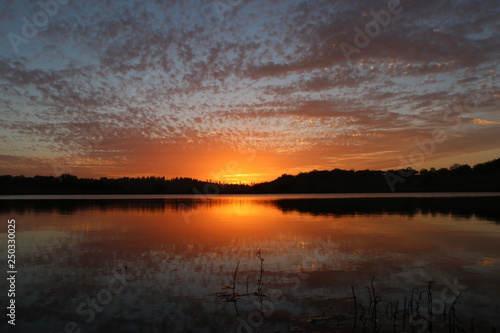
(184, 260)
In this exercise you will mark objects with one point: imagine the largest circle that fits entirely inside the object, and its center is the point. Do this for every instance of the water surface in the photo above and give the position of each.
(179, 250)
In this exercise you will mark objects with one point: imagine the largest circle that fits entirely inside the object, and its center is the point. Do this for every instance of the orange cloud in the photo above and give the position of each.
(484, 122)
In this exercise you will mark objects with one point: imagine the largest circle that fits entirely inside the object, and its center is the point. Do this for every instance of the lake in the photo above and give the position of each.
(414, 262)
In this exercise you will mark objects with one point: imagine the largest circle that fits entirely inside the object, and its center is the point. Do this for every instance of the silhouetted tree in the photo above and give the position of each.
(482, 177)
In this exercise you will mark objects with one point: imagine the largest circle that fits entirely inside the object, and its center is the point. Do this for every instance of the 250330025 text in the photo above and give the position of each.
(11, 270)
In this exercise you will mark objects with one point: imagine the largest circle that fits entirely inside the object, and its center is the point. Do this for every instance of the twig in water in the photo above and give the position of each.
(376, 299)
(234, 276)
(429, 304)
(259, 287)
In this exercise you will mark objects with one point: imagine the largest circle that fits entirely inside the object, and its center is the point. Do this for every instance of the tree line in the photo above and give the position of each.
(482, 177)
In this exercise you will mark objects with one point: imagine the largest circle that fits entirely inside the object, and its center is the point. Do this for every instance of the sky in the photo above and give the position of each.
(246, 90)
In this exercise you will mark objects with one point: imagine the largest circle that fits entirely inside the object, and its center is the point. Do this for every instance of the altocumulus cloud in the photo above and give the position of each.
(109, 82)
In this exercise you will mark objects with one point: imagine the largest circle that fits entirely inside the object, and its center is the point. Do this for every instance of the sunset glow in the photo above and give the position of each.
(247, 91)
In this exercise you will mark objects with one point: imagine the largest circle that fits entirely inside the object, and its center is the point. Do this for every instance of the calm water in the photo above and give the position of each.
(71, 257)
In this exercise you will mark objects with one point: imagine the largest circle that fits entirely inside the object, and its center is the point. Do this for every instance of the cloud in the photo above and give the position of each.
(116, 83)
(485, 122)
